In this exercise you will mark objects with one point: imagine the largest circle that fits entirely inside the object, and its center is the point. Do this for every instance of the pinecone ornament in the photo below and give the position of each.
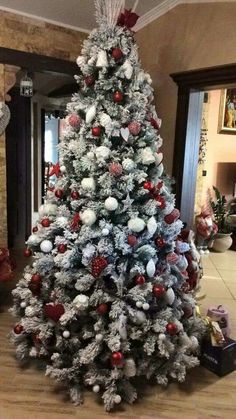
(98, 265)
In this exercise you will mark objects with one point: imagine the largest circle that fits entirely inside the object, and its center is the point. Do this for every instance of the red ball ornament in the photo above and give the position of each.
(27, 253)
(132, 240)
(118, 96)
(158, 290)
(74, 195)
(161, 201)
(172, 217)
(89, 80)
(62, 248)
(18, 329)
(115, 169)
(35, 284)
(102, 308)
(98, 265)
(74, 121)
(59, 193)
(36, 279)
(154, 123)
(117, 54)
(171, 329)
(96, 131)
(35, 229)
(134, 128)
(117, 359)
(160, 242)
(54, 311)
(148, 186)
(45, 222)
(140, 280)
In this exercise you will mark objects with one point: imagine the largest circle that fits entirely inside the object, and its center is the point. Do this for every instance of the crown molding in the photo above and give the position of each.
(165, 7)
(42, 19)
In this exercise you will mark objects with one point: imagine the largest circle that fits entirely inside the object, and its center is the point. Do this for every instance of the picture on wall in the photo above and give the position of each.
(227, 112)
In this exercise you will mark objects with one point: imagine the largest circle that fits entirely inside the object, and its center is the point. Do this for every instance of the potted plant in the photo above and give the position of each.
(222, 240)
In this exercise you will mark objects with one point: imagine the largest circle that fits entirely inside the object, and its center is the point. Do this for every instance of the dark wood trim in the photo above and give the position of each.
(188, 81)
(35, 62)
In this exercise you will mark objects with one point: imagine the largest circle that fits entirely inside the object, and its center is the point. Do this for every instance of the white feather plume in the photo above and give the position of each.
(108, 11)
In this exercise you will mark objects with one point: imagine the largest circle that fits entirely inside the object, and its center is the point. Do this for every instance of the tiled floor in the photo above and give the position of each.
(219, 283)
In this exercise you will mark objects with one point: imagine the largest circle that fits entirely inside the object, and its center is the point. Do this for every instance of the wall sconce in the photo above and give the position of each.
(26, 86)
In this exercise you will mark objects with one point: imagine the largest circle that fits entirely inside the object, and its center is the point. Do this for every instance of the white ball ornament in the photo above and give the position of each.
(169, 296)
(81, 302)
(117, 399)
(136, 224)
(128, 165)
(88, 217)
(111, 204)
(102, 152)
(33, 240)
(99, 337)
(162, 337)
(96, 388)
(139, 304)
(105, 232)
(88, 184)
(47, 209)
(63, 169)
(151, 268)
(66, 334)
(146, 306)
(46, 246)
(23, 304)
(90, 155)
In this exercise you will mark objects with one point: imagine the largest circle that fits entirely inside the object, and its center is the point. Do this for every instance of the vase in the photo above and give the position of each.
(222, 242)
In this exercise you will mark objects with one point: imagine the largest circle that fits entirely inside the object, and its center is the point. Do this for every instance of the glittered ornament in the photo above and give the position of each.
(172, 217)
(54, 311)
(117, 359)
(46, 246)
(117, 54)
(18, 329)
(45, 222)
(96, 131)
(132, 240)
(148, 186)
(134, 128)
(128, 165)
(62, 248)
(140, 280)
(74, 121)
(115, 169)
(158, 290)
(27, 253)
(102, 308)
(118, 96)
(88, 217)
(136, 224)
(59, 193)
(74, 195)
(99, 263)
(89, 80)
(171, 329)
(172, 258)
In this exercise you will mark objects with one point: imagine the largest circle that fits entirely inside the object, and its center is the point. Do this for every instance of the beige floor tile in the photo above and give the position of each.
(227, 275)
(211, 273)
(232, 289)
(214, 289)
(207, 262)
(225, 260)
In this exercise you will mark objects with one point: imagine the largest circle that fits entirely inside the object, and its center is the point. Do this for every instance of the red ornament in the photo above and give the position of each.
(140, 280)
(74, 195)
(89, 80)
(117, 54)
(171, 329)
(96, 131)
(35, 229)
(132, 240)
(54, 311)
(27, 253)
(172, 217)
(154, 123)
(148, 185)
(188, 311)
(160, 242)
(158, 290)
(62, 248)
(118, 96)
(35, 284)
(18, 329)
(74, 121)
(172, 258)
(45, 222)
(102, 308)
(117, 359)
(161, 201)
(134, 128)
(55, 170)
(59, 193)
(75, 222)
(98, 265)
(127, 19)
(36, 279)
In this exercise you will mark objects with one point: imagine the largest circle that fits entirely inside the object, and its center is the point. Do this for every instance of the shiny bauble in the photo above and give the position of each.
(171, 329)
(140, 280)
(96, 388)
(89, 80)
(102, 308)
(158, 290)
(46, 246)
(96, 131)
(18, 329)
(118, 96)
(111, 204)
(117, 54)
(146, 306)
(148, 186)
(117, 359)
(74, 121)
(61, 248)
(134, 128)
(66, 334)
(27, 253)
(45, 222)
(132, 240)
(59, 193)
(74, 195)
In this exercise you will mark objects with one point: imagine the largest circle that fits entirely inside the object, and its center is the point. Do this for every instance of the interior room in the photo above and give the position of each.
(118, 209)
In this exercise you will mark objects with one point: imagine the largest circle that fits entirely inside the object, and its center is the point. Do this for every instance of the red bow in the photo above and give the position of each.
(128, 19)
(74, 224)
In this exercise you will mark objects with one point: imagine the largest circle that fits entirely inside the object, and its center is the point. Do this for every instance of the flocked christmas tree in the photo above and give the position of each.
(108, 296)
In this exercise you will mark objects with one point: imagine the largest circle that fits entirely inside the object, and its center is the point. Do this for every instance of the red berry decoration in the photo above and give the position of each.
(98, 265)
(54, 311)
(158, 290)
(102, 308)
(117, 359)
(160, 242)
(148, 186)
(18, 329)
(132, 240)
(35, 229)
(117, 54)
(118, 96)
(134, 128)
(59, 193)
(115, 169)
(96, 131)
(35, 284)
(89, 80)
(140, 280)
(74, 121)
(36, 279)
(74, 195)
(62, 248)
(172, 217)
(171, 329)
(45, 222)
(27, 253)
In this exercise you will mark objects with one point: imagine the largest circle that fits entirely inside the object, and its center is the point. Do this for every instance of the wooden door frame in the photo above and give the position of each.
(188, 82)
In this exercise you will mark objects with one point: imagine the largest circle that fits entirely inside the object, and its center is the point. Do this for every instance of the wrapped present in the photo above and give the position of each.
(220, 315)
(219, 359)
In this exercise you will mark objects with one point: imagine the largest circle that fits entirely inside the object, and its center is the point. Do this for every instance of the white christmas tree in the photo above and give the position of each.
(107, 297)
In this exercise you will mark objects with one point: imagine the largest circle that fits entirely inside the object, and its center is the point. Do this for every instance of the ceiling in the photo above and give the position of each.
(77, 14)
